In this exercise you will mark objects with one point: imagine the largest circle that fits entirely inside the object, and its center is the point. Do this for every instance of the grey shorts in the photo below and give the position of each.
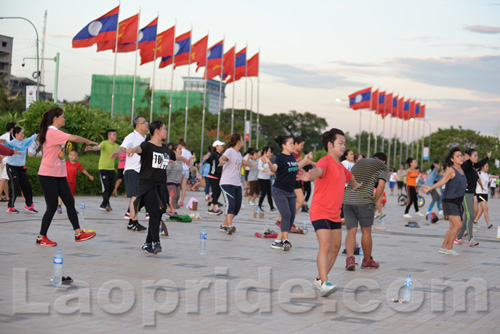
(131, 178)
(452, 209)
(362, 214)
(185, 174)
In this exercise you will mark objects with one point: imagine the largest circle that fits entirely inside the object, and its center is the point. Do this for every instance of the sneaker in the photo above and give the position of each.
(59, 209)
(156, 247)
(82, 236)
(108, 208)
(457, 242)
(252, 203)
(327, 289)
(369, 264)
(147, 215)
(102, 207)
(441, 213)
(473, 242)
(230, 229)
(277, 245)
(317, 284)
(138, 227)
(278, 223)
(287, 245)
(273, 211)
(382, 215)
(218, 212)
(223, 228)
(30, 209)
(11, 210)
(419, 214)
(490, 226)
(350, 263)
(148, 248)
(407, 215)
(127, 215)
(451, 252)
(211, 212)
(442, 250)
(259, 209)
(376, 216)
(130, 226)
(44, 241)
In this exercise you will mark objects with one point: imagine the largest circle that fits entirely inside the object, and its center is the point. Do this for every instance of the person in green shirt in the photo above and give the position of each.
(106, 167)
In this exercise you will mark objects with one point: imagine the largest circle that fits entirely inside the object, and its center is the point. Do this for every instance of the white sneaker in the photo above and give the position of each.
(317, 284)
(473, 242)
(442, 250)
(451, 252)
(277, 245)
(441, 213)
(327, 289)
(407, 215)
(419, 214)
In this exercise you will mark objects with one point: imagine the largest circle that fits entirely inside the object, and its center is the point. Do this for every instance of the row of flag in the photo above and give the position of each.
(385, 104)
(105, 30)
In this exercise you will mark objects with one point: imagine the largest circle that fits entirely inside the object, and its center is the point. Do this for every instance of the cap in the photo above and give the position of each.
(217, 142)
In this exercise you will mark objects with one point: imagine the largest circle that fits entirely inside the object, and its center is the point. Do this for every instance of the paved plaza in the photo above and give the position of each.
(241, 285)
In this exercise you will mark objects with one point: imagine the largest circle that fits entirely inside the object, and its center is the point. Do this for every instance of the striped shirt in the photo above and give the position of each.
(367, 171)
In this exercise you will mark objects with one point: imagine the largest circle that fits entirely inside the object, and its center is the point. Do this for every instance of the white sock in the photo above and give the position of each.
(278, 241)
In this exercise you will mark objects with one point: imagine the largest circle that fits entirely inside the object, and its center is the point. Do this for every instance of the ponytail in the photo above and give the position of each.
(235, 138)
(281, 140)
(47, 120)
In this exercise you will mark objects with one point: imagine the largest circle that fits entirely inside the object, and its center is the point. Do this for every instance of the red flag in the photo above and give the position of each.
(214, 61)
(127, 33)
(388, 105)
(164, 46)
(228, 63)
(412, 109)
(422, 111)
(253, 66)
(400, 107)
(147, 38)
(374, 100)
(199, 52)
(101, 29)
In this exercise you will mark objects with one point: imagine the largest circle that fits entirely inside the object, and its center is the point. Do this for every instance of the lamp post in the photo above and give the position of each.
(37, 75)
(56, 82)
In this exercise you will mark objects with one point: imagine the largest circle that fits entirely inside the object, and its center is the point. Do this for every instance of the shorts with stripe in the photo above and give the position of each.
(232, 197)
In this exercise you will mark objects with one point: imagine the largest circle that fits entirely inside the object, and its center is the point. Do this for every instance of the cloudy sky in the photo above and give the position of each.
(445, 53)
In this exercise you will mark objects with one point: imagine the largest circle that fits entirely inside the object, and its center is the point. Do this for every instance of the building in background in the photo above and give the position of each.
(6, 57)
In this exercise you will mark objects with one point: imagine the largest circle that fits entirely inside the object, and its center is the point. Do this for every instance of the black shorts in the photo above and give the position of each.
(326, 224)
(400, 184)
(120, 174)
(482, 198)
(131, 183)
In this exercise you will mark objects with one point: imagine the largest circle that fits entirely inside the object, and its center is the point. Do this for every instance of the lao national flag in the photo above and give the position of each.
(127, 33)
(394, 108)
(147, 38)
(373, 105)
(214, 61)
(388, 105)
(406, 110)
(401, 107)
(381, 104)
(412, 109)
(418, 113)
(199, 52)
(182, 48)
(101, 29)
(164, 46)
(240, 66)
(360, 99)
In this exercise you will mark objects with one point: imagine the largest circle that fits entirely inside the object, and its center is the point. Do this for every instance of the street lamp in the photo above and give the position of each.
(56, 83)
(37, 76)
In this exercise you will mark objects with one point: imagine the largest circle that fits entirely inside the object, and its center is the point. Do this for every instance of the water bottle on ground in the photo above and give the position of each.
(82, 211)
(304, 227)
(428, 219)
(361, 251)
(203, 241)
(57, 271)
(382, 221)
(407, 289)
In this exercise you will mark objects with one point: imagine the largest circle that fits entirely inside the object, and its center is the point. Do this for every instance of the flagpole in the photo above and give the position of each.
(114, 70)
(418, 144)
(258, 114)
(154, 71)
(135, 64)
(220, 86)
(171, 88)
(245, 118)
(402, 135)
(408, 139)
(376, 126)
(359, 136)
(413, 138)
(204, 101)
(383, 126)
(389, 140)
(187, 86)
(234, 84)
(251, 112)
(396, 132)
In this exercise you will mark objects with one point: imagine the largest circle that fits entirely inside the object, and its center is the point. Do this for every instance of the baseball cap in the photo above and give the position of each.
(217, 142)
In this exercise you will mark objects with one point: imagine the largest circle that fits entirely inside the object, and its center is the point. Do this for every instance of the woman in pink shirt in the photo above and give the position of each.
(52, 174)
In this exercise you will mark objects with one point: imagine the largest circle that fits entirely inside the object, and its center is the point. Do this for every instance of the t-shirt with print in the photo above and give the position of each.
(105, 162)
(369, 172)
(231, 169)
(53, 159)
(72, 170)
(121, 160)
(154, 162)
(329, 190)
(286, 174)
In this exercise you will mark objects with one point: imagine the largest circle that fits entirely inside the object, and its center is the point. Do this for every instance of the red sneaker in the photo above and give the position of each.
(278, 223)
(369, 264)
(84, 236)
(350, 263)
(44, 241)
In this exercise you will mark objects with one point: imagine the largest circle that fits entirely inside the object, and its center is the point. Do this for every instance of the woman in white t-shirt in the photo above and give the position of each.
(393, 177)
(348, 159)
(482, 195)
(185, 169)
(230, 181)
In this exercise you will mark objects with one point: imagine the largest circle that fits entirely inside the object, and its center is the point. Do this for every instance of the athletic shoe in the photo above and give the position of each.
(369, 264)
(156, 247)
(82, 236)
(458, 241)
(490, 226)
(148, 248)
(102, 207)
(44, 241)
(442, 250)
(441, 213)
(147, 215)
(223, 228)
(30, 209)
(407, 215)
(419, 214)
(278, 223)
(127, 215)
(451, 252)
(59, 209)
(327, 289)
(287, 245)
(130, 226)
(382, 215)
(11, 210)
(277, 245)
(108, 208)
(273, 211)
(181, 204)
(218, 212)
(350, 263)
(252, 203)
(473, 242)
(230, 229)
(211, 212)
(317, 284)
(376, 216)
(138, 227)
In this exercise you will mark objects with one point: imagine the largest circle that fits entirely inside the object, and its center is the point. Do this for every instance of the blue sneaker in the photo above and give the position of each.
(148, 248)
(156, 247)
(327, 289)
(59, 209)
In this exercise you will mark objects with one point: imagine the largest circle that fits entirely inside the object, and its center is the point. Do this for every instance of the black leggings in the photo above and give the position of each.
(307, 190)
(108, 184)
(19, 178)
(265, 190)
(412, 199)
(215, 185)
(54, 187)
(150, 200)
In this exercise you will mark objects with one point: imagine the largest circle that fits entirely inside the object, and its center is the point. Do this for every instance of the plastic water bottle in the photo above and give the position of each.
(203, 241)
(82, 211)
(407, 289)
(382, 221)
(57, 271)
(428, 219)
(361, 251)
(304, 227)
